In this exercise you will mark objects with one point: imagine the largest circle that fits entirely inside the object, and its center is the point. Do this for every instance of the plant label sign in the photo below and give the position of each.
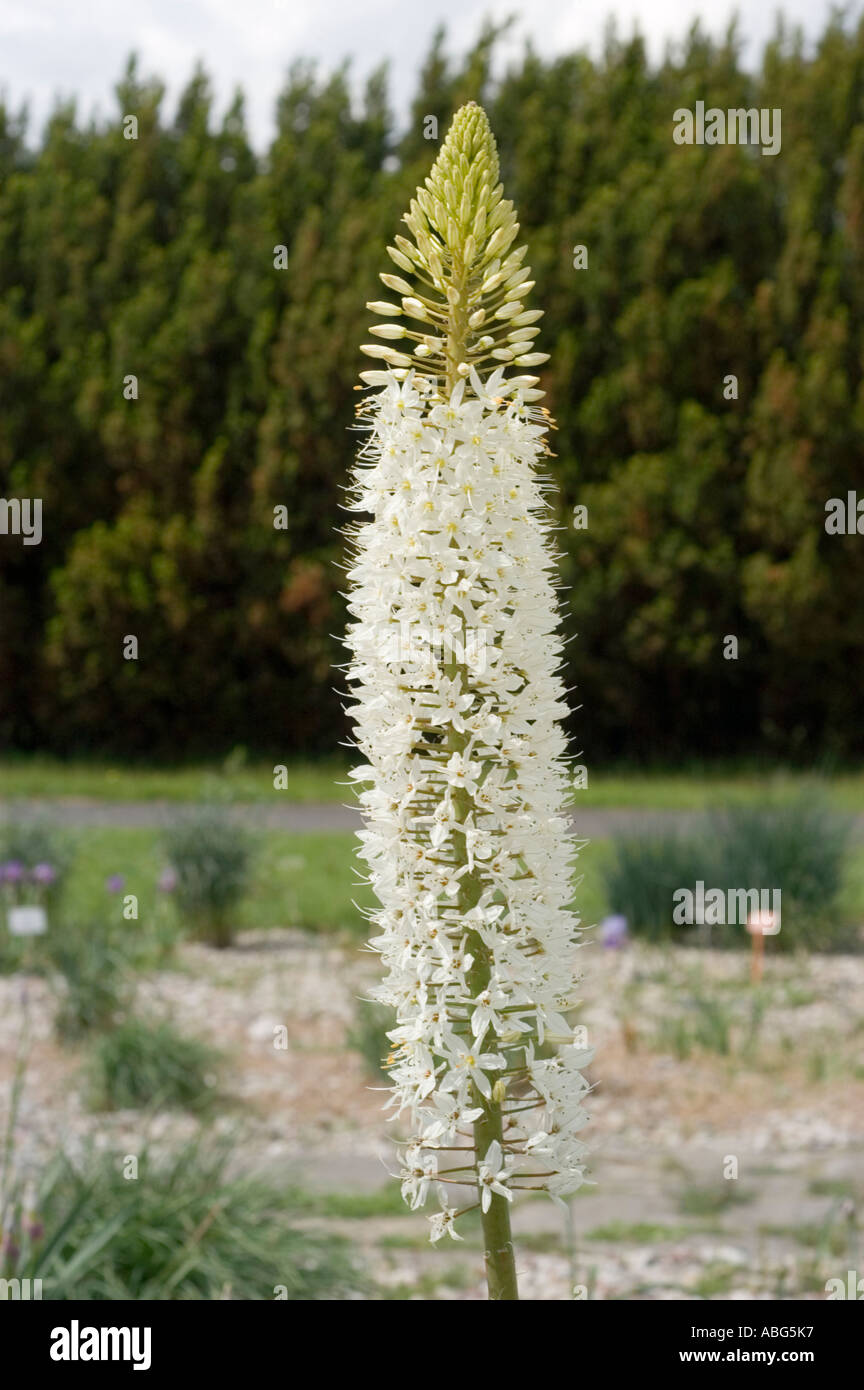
(27, 921)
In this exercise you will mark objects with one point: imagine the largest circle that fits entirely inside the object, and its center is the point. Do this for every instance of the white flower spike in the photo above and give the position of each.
(454, 675)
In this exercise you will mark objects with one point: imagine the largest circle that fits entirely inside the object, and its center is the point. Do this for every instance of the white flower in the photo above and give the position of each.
(492, 1175)
(461, 774)
(442, 1224)
(417, 1175)
(485, 1017)
(451, 1114)
(468, 1068)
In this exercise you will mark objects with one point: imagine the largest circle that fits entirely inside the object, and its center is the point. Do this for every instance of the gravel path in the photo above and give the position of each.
(597, 823)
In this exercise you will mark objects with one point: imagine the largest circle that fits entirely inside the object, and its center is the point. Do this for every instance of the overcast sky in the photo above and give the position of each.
(57, 46)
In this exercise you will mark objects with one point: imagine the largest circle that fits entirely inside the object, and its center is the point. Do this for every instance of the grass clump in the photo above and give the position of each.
(796, 847)
(212, 857)
(638, 1233)
(179, 1230)
(140, 1064)
(368, 1035)
(352, 1206)
(92, 980)
(711, 1200)
(641, 876)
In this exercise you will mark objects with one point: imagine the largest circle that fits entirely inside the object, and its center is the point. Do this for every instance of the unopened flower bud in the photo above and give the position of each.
(413, 307)
(380, 306)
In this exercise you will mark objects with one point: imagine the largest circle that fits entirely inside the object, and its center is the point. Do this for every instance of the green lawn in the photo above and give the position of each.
(308, 880)
(692, 789)
(47, 778)
(303, 880)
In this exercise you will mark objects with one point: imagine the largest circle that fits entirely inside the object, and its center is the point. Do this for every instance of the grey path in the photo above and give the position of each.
(596, 823)
(292, 816)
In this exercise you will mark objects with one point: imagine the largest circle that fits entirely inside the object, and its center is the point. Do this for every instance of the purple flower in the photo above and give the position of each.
(44, 873)
(613, 932)
(115, 883)
(167, 881)
(12, 872)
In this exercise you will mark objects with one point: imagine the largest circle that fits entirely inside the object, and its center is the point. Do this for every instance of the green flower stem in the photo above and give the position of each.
(457, 326)
(497, 1239)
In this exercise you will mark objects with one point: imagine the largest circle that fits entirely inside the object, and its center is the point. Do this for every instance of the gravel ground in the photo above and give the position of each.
(690, 1075)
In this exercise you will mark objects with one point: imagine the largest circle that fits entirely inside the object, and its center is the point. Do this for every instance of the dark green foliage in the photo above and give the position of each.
(155, 258)
(140, 1064)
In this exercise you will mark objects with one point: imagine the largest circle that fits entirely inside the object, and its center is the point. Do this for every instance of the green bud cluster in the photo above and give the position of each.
(463, 305)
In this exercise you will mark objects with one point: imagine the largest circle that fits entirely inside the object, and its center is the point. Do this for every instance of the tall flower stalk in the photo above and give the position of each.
(457, 702)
